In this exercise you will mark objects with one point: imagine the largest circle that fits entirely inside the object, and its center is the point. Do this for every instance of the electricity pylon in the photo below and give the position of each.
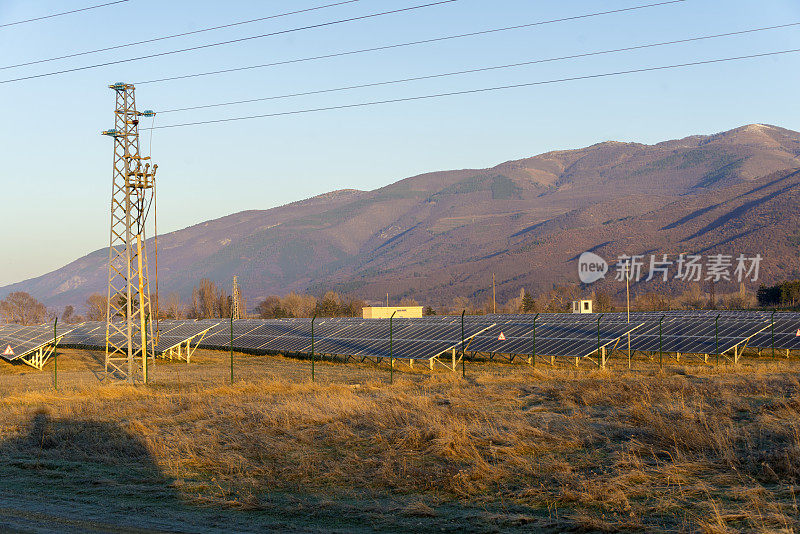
(236, 300)
(128, 329)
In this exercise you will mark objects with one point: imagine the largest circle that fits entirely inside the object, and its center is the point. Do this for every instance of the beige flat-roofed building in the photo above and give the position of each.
(384, 312)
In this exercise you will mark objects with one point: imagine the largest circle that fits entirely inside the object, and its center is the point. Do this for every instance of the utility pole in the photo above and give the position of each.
(128, 313)
(712, 294)
(628, 298)
(494, 296)
(236, 312)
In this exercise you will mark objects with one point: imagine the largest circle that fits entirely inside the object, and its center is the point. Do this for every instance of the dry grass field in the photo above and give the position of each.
(509, 448)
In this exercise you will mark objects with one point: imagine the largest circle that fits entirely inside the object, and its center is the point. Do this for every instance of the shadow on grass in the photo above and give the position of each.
(74, 475)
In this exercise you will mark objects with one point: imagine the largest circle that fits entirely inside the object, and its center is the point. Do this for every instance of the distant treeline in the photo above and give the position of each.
(783, 294)
(210, 301)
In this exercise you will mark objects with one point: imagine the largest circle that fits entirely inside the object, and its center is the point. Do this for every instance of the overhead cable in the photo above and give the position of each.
(481, 69)
(62, 13)
(175, 35)
(479, 90)
(409, 43)
(232, 41)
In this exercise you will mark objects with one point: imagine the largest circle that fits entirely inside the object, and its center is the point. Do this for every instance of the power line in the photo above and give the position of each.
(482, 69)
(7, 24)
(173, 36)
(232, 41)
(480, 90)
(410, 43)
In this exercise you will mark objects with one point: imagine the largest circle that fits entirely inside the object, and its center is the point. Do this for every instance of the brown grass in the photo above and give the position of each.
(698, 451)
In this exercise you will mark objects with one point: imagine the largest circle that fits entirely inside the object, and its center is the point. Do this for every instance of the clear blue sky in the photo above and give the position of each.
(56, 168)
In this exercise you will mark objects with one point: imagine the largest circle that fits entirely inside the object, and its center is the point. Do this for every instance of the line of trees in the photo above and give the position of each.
(210, 301)
(782, 294)
(21, 308)
(303, 305)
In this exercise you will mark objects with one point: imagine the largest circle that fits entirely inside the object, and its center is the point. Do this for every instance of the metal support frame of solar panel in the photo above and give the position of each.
(553, 338)
(32, 345)
(179, 339)
(701, 335)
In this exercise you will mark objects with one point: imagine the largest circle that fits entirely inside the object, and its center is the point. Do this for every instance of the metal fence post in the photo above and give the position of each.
(533, 354)
(391, 353)
(231, 349)
(716, 337)
(660, 345)
(463, 352)
(144, 351)
(599, 356)
(312, 346)
(773, 335)
(55, 354)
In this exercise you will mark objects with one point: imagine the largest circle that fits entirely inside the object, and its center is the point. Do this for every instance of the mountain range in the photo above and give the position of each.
(440, 235)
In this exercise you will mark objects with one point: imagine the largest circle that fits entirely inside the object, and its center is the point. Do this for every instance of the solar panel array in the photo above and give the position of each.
(571, 335)
(557, 334)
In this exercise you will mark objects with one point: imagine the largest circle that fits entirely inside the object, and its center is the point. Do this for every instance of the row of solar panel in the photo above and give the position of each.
(171, 333)
(409, 339)
(556, 334)
(552, 334)
(18, 341)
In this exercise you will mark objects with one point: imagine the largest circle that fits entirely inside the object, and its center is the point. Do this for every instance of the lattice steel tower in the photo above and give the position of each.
(236, 312)
(129, 332)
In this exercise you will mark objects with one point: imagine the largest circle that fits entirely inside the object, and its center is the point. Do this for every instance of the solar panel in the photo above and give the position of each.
(550, 337)
(92, 335)
(356, 337)
(175, 333)
(784, 334)
(702, 334)
(86, 335)
(28, 343)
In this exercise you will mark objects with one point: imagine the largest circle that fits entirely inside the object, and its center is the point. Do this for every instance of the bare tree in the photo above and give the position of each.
(171, 307)
(353, 308)
(560, 298)
(459, 304)
(271, 308)
(603, 302)
(692, 298)
(21, 308)
(330, 305)
(209, 301)
(299, 305)
(515, 305)
(96, 307)
(653, 301)
(69, 316)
